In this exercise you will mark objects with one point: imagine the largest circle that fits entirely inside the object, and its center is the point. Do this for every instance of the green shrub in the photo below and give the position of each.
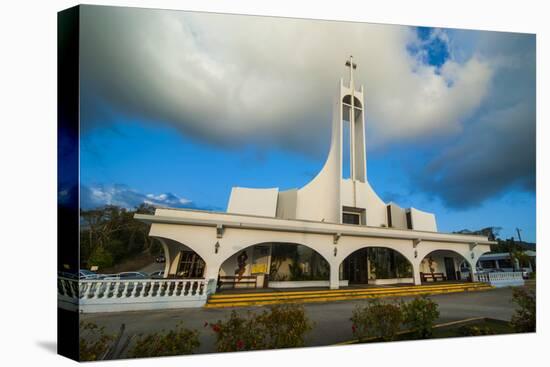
(285, 326)
(94, 342)
(376, 319)
(524, 319)
(472, 330)
(175, 342)
(238, 333)
(420, 315)
(282, 326)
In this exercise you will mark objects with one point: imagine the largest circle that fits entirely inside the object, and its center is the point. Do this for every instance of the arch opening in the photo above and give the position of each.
(445, 265)
(274, 265)
(356, 101)
(376, 265)
(181, 261)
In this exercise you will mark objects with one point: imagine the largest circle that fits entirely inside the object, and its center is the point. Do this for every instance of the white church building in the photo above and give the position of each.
(333, 232)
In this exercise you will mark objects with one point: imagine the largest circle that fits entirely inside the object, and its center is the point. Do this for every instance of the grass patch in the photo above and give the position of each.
(476, 327)
(486, 326)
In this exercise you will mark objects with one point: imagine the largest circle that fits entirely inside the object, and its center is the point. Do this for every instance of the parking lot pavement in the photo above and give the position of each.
(331, 320)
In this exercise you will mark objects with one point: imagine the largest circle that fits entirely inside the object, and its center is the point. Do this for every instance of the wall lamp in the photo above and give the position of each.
(335, 251)
(216, 247)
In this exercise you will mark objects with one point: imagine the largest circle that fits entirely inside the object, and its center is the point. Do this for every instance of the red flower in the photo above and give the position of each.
(353, 328)
(240, 344)
(216, 328)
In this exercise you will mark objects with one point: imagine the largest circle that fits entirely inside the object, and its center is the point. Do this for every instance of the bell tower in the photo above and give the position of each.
(352, 112)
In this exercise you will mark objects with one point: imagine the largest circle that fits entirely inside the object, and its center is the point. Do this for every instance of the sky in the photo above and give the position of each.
(177, 107)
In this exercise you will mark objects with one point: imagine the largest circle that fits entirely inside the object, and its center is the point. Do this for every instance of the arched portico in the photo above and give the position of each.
(445, 264)
(275, 264)
(377, 265)
(218, 239)
(181, 261)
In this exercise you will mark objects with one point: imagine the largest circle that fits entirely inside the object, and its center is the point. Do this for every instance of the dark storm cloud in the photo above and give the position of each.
(497, 150)
(230, 80)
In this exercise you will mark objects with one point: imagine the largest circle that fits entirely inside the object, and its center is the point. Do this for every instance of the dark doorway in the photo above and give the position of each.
(356, 267)
(450, 268)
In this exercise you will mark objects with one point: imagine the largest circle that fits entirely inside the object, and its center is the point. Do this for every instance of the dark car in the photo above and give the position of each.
(130, 275)
(157, 274)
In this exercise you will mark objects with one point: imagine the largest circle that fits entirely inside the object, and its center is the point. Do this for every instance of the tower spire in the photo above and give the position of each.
(351, 65)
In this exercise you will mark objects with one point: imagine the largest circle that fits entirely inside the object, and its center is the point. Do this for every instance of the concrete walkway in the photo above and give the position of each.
(332, 324)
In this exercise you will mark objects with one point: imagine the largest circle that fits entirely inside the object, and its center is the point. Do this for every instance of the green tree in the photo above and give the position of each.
(111, 235)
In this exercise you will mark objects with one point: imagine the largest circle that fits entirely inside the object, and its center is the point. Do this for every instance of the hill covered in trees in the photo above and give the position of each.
(110, 235)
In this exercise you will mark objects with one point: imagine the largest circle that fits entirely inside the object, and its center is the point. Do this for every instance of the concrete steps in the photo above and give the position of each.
(269, 298)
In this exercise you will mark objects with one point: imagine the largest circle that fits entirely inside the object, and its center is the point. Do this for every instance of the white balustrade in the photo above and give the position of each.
(100, 295)
(502, 279)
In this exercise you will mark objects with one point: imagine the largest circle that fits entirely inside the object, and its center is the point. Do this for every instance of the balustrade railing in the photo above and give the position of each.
(145, 292)
(505, 278)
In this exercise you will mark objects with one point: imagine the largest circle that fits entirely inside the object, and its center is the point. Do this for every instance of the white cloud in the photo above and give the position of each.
(228, 79)
(125, 197)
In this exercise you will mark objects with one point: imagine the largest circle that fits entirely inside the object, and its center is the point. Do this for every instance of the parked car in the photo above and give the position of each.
(87, 274)
(160, 259)
(157, 274)
(66, 274)
(128, 275)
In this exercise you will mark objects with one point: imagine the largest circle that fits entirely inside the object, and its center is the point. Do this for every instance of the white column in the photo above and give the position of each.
(416, 273)
(335, 275)
(211, 275)
(473, 270)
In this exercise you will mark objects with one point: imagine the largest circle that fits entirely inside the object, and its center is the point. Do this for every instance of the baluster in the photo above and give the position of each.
(171, 288)
(134, 291)
(117, 288)
(74, 288)
(124, 293)
(152, 289)
(63, 290)
(142, 294)
(96, 290)
(80, 292)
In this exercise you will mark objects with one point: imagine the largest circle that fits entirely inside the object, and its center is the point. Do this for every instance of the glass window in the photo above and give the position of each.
(351, 218)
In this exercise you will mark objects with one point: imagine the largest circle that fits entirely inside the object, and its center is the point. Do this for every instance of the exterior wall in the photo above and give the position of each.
(326, 184)
(398, 216)
(391, 281)
(376, 212)
(229, 266)
(305, 283)
(286, 204)
(253, 201)
(423, 221)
